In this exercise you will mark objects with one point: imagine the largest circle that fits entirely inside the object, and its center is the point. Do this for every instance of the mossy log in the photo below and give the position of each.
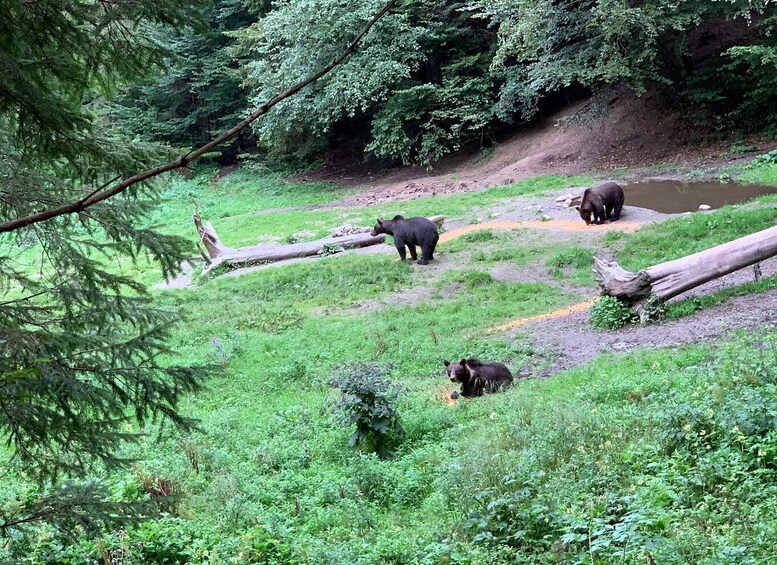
(661, 282)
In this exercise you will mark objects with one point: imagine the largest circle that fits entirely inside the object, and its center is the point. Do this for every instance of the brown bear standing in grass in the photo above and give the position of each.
(477, 377)
(410, 232)
(601, 203)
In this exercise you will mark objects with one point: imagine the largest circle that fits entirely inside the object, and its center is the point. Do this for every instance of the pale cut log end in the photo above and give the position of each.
(616, 281)
(437, 220)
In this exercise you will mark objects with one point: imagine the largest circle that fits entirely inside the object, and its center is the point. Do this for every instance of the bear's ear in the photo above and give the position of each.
(379, 222)
(463, 362)
(446, 362)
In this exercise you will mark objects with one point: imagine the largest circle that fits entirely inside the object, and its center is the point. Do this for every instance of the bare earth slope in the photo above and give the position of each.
(633, 132)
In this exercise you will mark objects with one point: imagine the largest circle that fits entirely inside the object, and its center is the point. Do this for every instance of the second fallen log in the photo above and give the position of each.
(666, 280)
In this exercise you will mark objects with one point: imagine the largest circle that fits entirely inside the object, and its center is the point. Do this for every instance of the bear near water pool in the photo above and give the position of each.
(601, 203)
(477, 377)
(410, 232)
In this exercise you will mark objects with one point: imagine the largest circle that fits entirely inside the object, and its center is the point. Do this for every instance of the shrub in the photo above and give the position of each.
(610, 314)
(368, 398)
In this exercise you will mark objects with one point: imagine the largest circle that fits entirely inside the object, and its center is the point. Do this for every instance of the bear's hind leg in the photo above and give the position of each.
(427, 253)
(616, 213)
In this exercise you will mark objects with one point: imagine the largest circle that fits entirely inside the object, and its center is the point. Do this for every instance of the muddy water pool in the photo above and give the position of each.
(673, 197)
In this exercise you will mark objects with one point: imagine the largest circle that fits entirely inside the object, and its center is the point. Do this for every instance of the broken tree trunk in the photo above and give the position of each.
(664, 281)
(216, 253)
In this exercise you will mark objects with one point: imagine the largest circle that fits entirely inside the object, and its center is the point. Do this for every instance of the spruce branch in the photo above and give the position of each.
(184, 160)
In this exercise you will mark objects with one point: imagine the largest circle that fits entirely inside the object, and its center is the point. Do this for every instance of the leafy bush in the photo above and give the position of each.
(367, 400)
(167, 540)
(611, 314)
(769, 158)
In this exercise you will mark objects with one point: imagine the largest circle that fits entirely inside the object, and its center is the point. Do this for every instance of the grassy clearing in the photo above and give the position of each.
(230, 204)
(671, 453)
(520, 248)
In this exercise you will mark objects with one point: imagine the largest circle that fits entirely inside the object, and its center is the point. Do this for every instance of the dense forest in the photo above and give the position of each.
(433, 76)
(126, 412)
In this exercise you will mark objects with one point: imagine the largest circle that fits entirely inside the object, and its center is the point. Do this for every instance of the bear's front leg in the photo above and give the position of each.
(400, 245)
(413, 252)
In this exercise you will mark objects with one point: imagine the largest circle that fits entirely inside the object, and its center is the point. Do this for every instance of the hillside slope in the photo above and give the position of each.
(628, 131)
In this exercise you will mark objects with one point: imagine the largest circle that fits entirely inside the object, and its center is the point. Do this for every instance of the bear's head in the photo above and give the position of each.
(585, 213)
(381, 227)
(457, 372)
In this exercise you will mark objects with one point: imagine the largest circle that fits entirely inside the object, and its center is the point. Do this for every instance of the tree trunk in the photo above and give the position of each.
(666, 280)
(216, 253)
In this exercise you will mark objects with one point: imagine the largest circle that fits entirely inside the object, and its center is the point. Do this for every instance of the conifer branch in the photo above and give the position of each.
(98, 196)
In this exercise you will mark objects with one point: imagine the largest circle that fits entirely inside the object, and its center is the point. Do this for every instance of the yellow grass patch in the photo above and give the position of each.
(560, 313)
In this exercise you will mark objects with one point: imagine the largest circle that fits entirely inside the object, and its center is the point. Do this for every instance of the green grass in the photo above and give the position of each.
(679, 237)
(229, 206)
(664, 452)
(670, 453)
(574, 264)
(520, 248)
(761, 170)
(690, 306)
(237, 194)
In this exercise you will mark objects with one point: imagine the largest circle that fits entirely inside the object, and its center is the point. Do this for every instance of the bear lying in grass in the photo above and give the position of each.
(601, 203)
(410, 232)
(477, 377)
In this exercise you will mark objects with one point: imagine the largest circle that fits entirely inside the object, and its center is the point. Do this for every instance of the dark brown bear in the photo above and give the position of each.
(410, 232)
(477, 377)
(601, 203)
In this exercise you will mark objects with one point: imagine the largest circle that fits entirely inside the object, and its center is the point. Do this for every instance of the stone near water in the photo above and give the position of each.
(705, 207)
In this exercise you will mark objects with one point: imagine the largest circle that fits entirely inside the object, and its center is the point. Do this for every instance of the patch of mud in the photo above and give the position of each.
(569, 341)
(567, 338)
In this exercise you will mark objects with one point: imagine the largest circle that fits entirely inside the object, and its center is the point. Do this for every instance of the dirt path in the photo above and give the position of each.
(568, 341)
(565, 338)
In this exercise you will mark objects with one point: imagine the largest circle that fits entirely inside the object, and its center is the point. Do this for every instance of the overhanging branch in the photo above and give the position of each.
(100, 195)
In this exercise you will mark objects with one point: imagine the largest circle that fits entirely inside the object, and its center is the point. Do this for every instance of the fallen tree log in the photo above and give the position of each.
(661, 282)
(216, 253)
